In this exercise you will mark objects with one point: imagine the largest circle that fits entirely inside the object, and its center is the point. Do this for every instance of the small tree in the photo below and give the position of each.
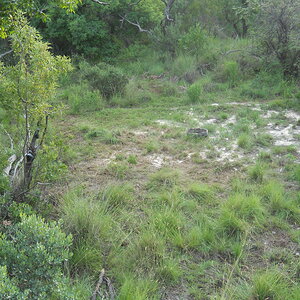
(26, 90)
(278, 32)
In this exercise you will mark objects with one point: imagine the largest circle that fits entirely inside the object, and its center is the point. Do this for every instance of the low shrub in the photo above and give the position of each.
(33, 252)
(109, 80)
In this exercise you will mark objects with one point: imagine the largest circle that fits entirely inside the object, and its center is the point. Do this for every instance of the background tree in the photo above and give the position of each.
(277, 33)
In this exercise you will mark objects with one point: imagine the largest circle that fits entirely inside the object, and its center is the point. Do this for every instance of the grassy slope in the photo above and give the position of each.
(174, 217)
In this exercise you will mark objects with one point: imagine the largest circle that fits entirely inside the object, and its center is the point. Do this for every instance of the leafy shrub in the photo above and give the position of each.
(109, 80)
(194, 41)
(33, 252)
(8, 289)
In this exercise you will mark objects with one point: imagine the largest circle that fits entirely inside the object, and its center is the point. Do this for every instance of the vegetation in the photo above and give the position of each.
(98, 176)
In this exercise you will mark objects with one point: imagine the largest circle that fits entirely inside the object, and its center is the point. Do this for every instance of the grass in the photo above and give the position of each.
(194, 225)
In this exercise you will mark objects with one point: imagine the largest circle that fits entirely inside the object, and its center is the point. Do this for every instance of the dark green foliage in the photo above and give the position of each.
(33, 252)
(109, 80)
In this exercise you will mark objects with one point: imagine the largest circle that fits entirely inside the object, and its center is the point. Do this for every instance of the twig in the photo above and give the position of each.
(110, 288)
(5, 53)
(232, 51)
(123, 18)
(101, 276)
(10, 138)
(101, 2)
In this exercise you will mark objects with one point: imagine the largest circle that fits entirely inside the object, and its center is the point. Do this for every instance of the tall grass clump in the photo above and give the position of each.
(80, 98)
(116, 196)
(270, 284)
(279, 202)
(239, 212)
(203, 193)
(194, 92)
(138, 289)
(164, 178)
(85, 217)
(257, 172)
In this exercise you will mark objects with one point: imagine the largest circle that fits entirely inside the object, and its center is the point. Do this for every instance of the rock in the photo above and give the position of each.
(198, 132)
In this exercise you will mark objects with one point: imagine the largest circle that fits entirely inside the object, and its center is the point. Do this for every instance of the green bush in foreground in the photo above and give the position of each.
(32, 252)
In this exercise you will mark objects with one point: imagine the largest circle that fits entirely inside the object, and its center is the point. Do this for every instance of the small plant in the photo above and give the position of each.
(151, 147)
(269, 285)
(200, 192)
(105, 136)
(117, 195)
(118, 170)
(257, 172)
(164, 178)
(132, 159)
(80, 98)
(263, 139)
(194, 92)
(231, 72)
(244, 141)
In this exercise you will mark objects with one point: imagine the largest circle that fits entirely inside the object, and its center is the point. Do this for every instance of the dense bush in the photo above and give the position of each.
(109, 80)
(33, 253)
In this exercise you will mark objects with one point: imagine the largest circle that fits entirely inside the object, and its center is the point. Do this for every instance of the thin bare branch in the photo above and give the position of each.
(124, 18)
(5, 53)
(97, 288)
(101, 2)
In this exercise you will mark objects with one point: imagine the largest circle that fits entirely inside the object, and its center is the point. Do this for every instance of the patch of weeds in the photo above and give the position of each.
(274, 195)
(170, 271)
(248, 208)
(279, 256)
(148, 251)
(242, 127)
(120, 157)
(270, 284)
(197, 159)
(86, 219)
(200, 237)
(200, 192)
(166, 222)
(223, 116)
(85, 258)
(284, 149)
(118, 170)
(137, 288)
(165, 178)
(171, 198)
(244, 141)
(105, 136)
(230, 224)
(264, 139)
(257, 172)
(151, 147)
(295, 173)
(132, 159)
(117, 195)
(265, 156)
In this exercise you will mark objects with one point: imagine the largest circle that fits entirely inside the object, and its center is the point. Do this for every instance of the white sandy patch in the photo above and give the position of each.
(168, 123)
(292, 115)
(269, 114)
(284, 135)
